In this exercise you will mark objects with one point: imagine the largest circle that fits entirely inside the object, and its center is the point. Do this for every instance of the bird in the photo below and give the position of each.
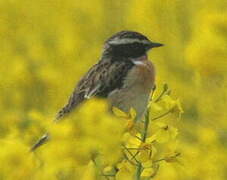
(123, 75)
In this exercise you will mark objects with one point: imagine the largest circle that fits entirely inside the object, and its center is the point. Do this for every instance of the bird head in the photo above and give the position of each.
(129, 44)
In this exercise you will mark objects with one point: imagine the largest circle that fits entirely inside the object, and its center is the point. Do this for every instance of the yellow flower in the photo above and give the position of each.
(120, 113)
(126, 171)
(147, 172)
(90, 172)
(144, 155)
(171, 104)
(16, 160)
(165, 133)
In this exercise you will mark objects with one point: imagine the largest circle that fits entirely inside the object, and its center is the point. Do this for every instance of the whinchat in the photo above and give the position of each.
(123, 75)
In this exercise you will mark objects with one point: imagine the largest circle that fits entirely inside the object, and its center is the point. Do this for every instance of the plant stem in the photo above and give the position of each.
(146, 124)
(144, 136)
(165, 88)
(138, 171)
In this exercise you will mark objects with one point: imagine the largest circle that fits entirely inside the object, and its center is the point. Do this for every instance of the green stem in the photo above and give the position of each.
(165, 88)
(144, 136)
(138, 171)
(133, 156)
(146, 124)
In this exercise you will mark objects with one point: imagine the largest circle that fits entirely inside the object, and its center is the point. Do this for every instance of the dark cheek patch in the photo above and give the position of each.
(129, 50)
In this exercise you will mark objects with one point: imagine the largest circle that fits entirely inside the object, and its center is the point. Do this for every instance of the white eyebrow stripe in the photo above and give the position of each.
(128, 41)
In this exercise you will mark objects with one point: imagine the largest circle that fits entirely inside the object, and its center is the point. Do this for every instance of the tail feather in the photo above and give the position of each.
(40, 142)
(74, 100)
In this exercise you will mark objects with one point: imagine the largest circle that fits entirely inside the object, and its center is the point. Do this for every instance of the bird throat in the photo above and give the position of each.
(139, 60)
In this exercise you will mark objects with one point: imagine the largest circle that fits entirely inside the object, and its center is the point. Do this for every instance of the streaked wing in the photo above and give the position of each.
(100, 80)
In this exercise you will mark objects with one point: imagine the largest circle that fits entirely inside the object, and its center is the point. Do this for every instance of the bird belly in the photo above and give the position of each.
(135, 93)
(125, 99)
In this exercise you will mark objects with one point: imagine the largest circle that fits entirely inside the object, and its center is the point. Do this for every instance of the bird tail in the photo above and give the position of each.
(74, 100)
(40, 142)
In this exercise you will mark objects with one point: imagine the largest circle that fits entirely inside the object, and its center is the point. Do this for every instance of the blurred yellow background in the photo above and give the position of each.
(47, 45)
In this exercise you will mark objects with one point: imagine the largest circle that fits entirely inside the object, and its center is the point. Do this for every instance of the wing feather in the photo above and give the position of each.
(100, 80)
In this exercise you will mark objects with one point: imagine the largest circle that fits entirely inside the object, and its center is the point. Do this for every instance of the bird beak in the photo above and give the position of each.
(154, 45)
